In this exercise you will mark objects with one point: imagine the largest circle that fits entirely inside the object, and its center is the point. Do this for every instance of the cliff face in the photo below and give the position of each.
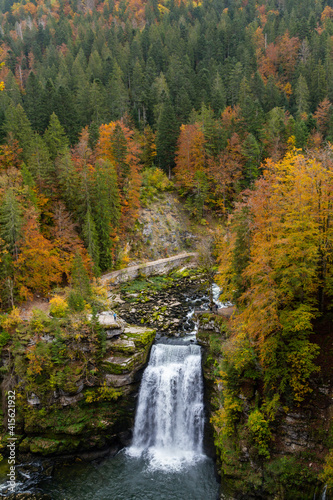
(299, 436)
(78, 393)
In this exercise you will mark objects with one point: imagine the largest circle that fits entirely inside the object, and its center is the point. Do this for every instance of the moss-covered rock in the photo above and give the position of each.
(67, 399)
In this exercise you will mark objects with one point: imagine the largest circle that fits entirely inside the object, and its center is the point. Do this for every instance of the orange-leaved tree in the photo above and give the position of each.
(38, 266)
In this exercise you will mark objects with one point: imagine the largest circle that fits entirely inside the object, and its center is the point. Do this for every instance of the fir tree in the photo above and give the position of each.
(55, 137)
(166, 137)
(11, 222)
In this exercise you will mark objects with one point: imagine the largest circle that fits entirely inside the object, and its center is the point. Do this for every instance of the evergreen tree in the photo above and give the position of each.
(55, 137)
(119, 150)
(302, 96)
(218, 100)
(39, 162)
(69, 182)
(166, 137)
(11, 222)
(105, 210)
(66, 113)
(18, 126)
(90, 237)
(79, 277)
(117, 94)
(33, 103)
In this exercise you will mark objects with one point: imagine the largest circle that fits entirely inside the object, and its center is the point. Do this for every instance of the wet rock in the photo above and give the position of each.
(70, 400)
(115, 332)
(119, 380)
(28, 496)
(33, 400)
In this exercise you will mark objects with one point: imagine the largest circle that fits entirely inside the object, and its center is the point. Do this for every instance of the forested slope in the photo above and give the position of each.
(97, 92)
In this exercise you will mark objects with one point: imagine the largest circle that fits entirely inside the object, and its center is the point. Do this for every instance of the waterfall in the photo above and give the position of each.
(169, 420)
(323, 495)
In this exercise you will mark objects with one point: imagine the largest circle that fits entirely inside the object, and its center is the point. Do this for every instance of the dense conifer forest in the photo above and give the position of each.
(97, 93)
(228, 103)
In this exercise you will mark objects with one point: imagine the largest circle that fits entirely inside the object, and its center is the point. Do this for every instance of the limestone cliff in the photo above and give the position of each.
(75, 382)
(300, 435)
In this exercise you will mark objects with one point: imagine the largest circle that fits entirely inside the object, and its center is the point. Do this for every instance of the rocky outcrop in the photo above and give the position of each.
(96, 412)
(161, 303)
(210, 322)
(164, 228)
(300, 434)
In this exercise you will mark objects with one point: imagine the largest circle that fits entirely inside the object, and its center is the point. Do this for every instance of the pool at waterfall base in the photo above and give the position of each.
(132, 478)
(166, 460)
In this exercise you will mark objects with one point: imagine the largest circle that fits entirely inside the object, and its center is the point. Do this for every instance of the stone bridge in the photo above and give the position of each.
(161, 266)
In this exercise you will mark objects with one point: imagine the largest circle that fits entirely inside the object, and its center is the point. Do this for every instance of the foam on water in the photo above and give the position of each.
(169, 422)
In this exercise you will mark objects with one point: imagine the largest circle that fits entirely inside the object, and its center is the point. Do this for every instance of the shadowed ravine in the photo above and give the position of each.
(166, 459)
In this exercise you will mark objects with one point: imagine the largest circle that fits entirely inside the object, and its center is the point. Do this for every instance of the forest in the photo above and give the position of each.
(230, 100)
(95, 95)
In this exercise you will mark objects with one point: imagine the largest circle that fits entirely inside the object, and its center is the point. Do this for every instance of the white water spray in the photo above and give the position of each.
(169, 421)
(323, 495)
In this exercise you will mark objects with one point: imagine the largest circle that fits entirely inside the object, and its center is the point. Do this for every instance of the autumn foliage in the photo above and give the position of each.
(276, 263)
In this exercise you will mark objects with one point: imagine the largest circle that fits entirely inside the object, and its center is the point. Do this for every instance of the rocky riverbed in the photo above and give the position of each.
(162, 302)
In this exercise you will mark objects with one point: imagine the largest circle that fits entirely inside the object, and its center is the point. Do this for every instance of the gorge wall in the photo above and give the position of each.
(81, 403)
(300, 434)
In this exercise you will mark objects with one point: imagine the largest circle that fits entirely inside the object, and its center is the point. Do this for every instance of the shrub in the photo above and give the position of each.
(75, 301)
(58, 307)
(12, 320)
(327, 475)
(259, 432)
(154, 181)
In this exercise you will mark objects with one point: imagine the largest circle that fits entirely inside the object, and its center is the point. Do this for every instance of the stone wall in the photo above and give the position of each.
(161, 266)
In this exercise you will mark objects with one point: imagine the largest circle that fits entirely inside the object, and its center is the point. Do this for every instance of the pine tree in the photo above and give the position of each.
(11, 222)
(55, 137)
(119, 151)
(105, 209)
(166, 137)
(79, 277)
(68, 181)
(118, 94)
(39, 162)
(18, 125)
(302, 96)
(33, 104)
(90, 237)
(218, 99)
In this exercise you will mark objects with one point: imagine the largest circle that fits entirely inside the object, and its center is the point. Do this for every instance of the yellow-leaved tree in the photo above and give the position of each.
(276, 265)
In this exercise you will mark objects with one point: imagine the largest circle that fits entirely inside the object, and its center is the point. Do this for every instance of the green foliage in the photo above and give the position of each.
(55, 137)
(4, 339)
(90, 236)
(260, 433)
(58, 307)
(105, 210)
(327, 474)
(154, 182)
(80, 278)
(75, 301)
(11, 221)
(103, 393)
(291, 476)
(166, 137)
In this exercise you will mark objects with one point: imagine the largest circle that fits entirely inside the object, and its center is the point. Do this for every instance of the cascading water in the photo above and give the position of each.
(169, 421)
(166, 460)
